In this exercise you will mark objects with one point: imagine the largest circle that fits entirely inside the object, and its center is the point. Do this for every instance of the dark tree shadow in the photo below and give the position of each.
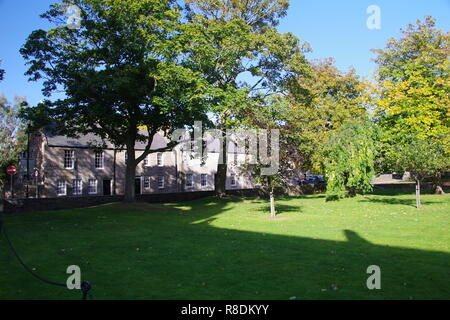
(406, 202)
(403, 189)
(280, 208)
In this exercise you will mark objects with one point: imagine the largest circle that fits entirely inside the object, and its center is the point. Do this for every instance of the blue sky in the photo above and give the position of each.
(333, 28)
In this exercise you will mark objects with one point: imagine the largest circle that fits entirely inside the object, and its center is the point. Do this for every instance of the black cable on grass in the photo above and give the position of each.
(85, 285)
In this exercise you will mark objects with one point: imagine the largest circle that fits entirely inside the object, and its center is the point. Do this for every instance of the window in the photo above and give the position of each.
(189, 180)
(160, 182)
(61, 188)
(23, 155)
(159, 159)
(76, 187)
(146, 183)
(69, 159)
(99, 160)
(146, 161)
(92, 187)
(204, 180)
(233, 179)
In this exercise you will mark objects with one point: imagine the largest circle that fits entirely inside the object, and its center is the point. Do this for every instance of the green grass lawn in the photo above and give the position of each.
(230, 249)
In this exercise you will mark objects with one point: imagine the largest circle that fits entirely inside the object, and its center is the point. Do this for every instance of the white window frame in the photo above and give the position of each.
(160, 159)
(74, 189)
(146, 183)
(160, 179)
(204, 178)
(95, 186)
(57, 188)
(146, 161)
(99, 156)
(191, 185)
(71, 159)
(233, 180)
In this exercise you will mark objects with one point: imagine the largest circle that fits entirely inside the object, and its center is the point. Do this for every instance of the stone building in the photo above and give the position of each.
(66, 167)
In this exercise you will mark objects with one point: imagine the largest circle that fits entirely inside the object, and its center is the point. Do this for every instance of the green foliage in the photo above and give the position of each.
(413, 85)
(12, 135)
(255, 13)
(421, 157)
(118, 71)
(320, 104)
(230, 38)
(349, 159)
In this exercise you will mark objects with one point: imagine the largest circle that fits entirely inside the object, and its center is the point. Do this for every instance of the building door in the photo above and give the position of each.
(106, 187)
(137, 186)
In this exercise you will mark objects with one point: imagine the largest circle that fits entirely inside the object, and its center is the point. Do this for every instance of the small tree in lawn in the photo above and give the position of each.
(268, 183)
(422, 158)
(277, 154)
(349, 159)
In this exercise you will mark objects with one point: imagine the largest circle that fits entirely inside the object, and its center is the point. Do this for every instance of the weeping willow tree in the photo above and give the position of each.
(349, 159)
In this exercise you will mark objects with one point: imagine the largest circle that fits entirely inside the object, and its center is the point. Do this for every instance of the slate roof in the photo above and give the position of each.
(63, 141)
(159, 141)
(86, 141)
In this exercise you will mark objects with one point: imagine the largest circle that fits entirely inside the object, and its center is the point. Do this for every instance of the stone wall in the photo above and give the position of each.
(50, 204)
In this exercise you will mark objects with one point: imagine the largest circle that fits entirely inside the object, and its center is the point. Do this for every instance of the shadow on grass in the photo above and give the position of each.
(280, 208)
(406, 202)
(306, 196)
(380, 191)
(144, 252)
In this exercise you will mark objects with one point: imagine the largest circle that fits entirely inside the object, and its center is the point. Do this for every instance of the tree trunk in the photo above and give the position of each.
(221, 179)
(417, 194)
(130, 176)
(222, 168)
(273, 213)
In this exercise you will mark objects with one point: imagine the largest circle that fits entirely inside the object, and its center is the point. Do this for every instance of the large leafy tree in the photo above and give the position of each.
(236, 47)
(349, 159)
(413, 88)
(122, 69)
(320, 104)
